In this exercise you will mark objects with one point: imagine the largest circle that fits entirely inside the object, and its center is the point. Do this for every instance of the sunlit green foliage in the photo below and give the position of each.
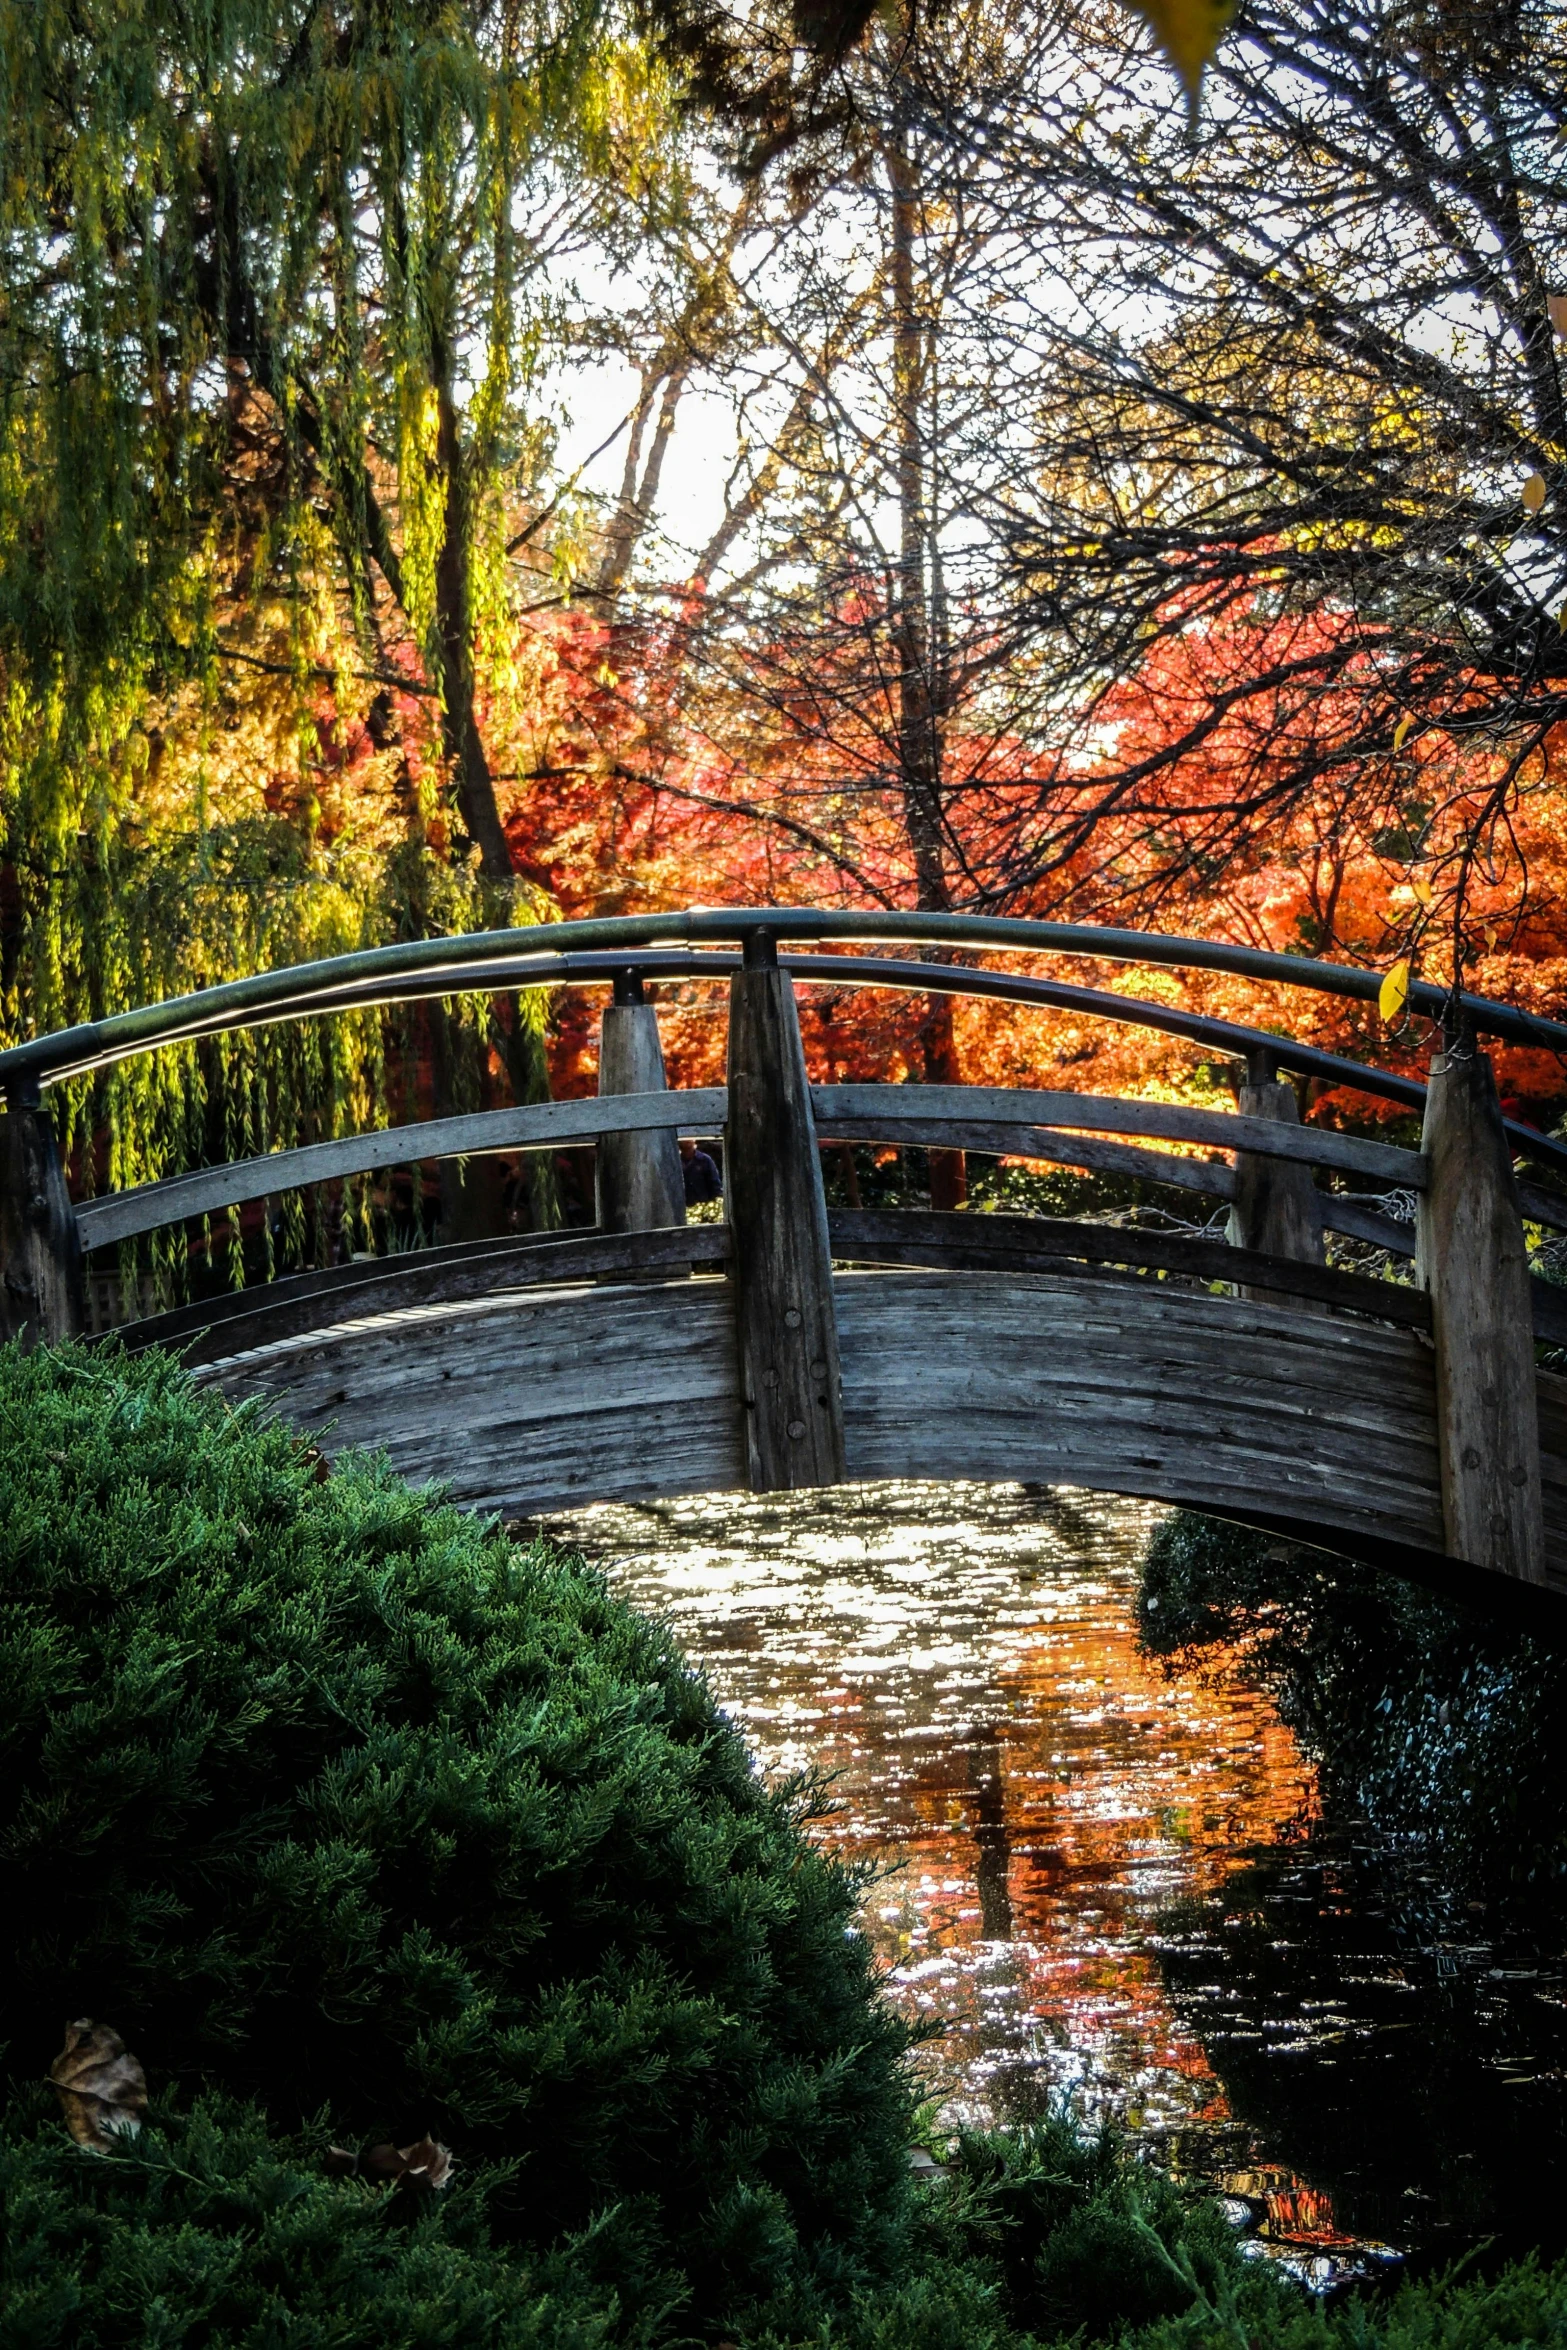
(267, 346)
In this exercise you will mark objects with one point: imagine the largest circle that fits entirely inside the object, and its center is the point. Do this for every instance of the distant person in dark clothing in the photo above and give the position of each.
(700, 1169)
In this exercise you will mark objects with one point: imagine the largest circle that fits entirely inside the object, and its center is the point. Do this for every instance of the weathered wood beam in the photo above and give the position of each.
(1042, 1244)
(637, 1180)
(540, 1126)
(40, 1247)
(952, 1114)
(1214, 1178)
(791, 1387)
(1472, 1259)
(303, 1303)
(1277, 1209)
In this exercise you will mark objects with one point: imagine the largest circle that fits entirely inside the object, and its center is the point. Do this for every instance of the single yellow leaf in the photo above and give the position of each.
(1422, 890)
(1534, 493)
(1401, 731)
(1394, 993)
(1490, 935)
(1556, 304)
(1188, 31)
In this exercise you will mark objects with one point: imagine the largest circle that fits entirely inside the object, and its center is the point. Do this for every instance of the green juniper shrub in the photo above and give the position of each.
(208, 2230)
(1523, 2307)
(324, 1795)
(1083, 2238)
(1053, 2233)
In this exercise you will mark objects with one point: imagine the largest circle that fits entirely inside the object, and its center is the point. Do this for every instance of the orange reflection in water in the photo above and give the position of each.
(1033, 1791)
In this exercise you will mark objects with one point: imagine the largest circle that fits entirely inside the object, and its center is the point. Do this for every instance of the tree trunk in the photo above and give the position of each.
(454, 623)
(919, 734)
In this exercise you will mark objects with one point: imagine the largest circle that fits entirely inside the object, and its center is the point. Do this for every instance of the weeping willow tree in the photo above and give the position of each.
(269, 324)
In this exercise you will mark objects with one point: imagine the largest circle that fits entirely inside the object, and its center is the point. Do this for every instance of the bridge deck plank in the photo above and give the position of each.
(530, 1400)
(305, 1304)
(534, 1400)
(1141, 1390)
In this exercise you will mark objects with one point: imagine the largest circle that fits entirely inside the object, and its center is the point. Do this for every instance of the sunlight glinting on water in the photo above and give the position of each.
(1031, 1791)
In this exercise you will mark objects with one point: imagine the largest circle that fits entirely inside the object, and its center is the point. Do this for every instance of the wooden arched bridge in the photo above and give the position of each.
(1401, 1421)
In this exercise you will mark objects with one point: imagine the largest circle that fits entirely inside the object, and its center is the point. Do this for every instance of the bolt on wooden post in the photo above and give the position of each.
(1277, 1207)
(790, 1382)
(1470, 1255)
(40, 1246)
(638, 1183)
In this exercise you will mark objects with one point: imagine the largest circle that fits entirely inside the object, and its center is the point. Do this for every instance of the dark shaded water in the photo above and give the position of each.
(1114, 1885)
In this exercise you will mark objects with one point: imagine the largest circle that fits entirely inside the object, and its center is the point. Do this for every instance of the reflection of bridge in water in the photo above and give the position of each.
(788, 1347)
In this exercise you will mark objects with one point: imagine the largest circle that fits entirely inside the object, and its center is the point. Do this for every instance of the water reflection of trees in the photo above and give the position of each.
(1384, 2042)
(1384, 2000)
(993, 1850)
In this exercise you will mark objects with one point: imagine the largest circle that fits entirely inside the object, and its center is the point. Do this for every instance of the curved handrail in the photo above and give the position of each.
(552, 1126)
(269, 995)
(681, 963)
(962, 1117)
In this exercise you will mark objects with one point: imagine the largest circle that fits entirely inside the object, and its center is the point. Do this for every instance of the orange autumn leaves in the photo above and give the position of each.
(1398, 841)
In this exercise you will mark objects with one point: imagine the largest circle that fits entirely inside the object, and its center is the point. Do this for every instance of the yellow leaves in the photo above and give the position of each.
(102, 2089)
(1394, 992)
(1533, 493)
(1401, 731)
(1421, 892)
(1188, 31)
(1490, 936)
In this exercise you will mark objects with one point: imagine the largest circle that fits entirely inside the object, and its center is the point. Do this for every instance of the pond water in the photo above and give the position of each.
(1107, 1883)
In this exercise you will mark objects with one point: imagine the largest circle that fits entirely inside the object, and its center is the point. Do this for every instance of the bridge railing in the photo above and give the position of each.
(1473, 1294)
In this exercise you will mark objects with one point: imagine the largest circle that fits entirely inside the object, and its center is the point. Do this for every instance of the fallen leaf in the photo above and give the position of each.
(101, 2087)
(1556, 305)
(1534, 493)
(1401, 731)
(422, 2168)
(1490, 935)
(1394, 992)
(1422, 892)
(427, 2165)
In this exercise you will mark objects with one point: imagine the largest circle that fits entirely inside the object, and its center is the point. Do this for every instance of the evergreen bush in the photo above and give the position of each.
(207, 2231)
(325, 1796)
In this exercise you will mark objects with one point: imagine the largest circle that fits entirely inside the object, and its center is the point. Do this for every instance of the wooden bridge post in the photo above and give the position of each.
(40, 1246)
(1277, 1207)
(1470, 1255)
(638, 1183)
(790, 1384)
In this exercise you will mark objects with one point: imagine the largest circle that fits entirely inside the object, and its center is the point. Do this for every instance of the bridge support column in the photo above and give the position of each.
(1470, 1255)
(1277, 1207)
(40, 1247)
(637, 1181)
(791, 1387)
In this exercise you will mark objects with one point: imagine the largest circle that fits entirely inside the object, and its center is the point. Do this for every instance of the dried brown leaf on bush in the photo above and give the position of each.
(417, 2170)
(101, 2087)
